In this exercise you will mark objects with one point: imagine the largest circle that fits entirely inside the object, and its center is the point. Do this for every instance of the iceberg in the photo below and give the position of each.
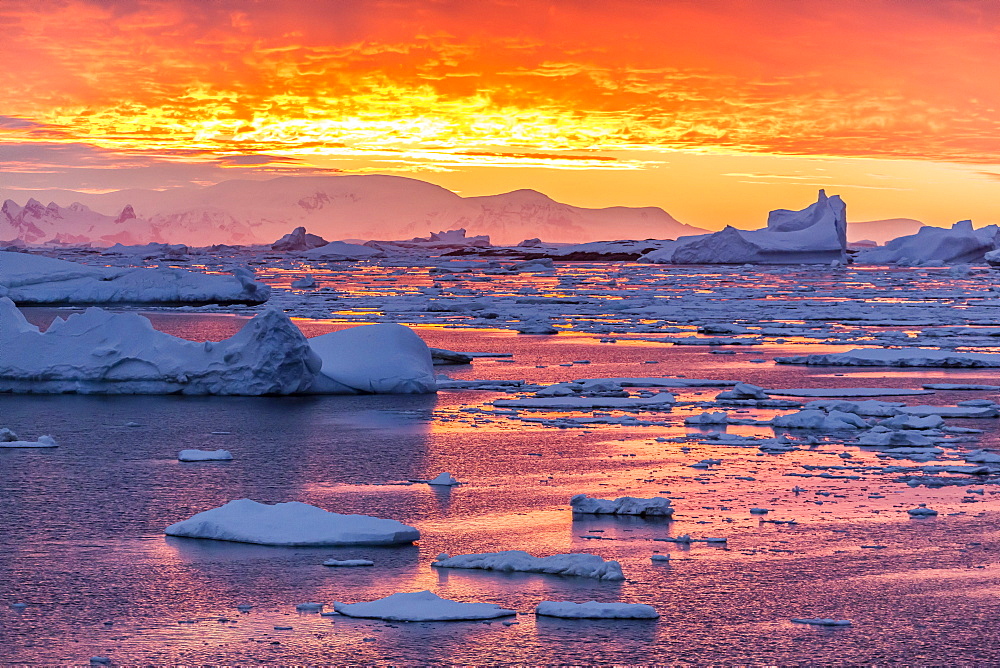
(291, 524)
(901, 357)
(510, 561)
(596, 610)
(204, 456)
(421, 606)
(298, 240)
(816, 234)
(31, 280)
(338, 251)
(624, 505)
(99, 352)
(9, 439)
(936, 245)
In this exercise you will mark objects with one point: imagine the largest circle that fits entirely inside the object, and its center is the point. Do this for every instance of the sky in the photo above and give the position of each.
(715, 110)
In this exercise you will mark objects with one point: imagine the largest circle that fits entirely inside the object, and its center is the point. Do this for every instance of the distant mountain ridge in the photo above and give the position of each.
(334, 207)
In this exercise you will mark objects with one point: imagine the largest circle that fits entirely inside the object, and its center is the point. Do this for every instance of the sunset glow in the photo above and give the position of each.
(486, 96)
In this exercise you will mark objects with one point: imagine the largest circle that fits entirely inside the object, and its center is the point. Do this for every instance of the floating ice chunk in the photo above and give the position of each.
(869, 408)
(309, 607)
(983, 457)
(305, 282)
(663, 400)
(913, 422)
(900, 357)
(684, 539)
(536, 326)
(718, 417)
(625, 505)
(378, 359)
(100, 661)
(298, 240)
(952, 411)
(581, 565)
(292, 524)
(664, 382)
(120, 353)
(9, 439)
(811, 419)
(743, 391)
(759, 511)
(848, 392)
(596, 610)
(921, 511)
(421, 606)
(882, 436)
(341, 251)
(444, 479)
(204, 455)
(823, 622)
(660, 557)
(348, 563)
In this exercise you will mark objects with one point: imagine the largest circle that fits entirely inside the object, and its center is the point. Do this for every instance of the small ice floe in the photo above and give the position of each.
(623, 505)
(743, 391)
(309, 607)
(444, 479)
(897, 357)
(244, 607)
(913, 422)
(291, 524)
(718, 417)
(684, 539)
(18, 606)
(847, 392)
(204, 456)
(348, 563)
(9, 439)
(982, 457)
(537, 326)
(880, 436)
(306, 281)
(663, 400)
(989, 411)
(759, 511)
(823, 622)
(421, 606)
(813, 419)
(596, 610)
(922, 511)
(660, 557)
(132, 424)
(510, 561)
(100, 661)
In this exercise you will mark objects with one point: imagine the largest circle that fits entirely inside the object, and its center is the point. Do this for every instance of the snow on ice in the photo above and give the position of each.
(581, 565)
(625, 505)
(596, 610)
(421, 606)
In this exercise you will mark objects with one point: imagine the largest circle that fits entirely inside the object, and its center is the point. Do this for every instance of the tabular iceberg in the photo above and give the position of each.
(291, 524)
(99, 352)
(623, 505)
(596, 610)
(511, 561)
(33, 280)
(817, 233)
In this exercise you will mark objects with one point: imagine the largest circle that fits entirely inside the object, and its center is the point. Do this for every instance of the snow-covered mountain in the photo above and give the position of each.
(881, 231)
(334, 207)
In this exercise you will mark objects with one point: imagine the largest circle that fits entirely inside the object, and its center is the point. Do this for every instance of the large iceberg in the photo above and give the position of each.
(623, 505)
(341, 251)
(99, 352)
(815, 234)
(291, 524)
(936, 245)
(31, 280)
(298, 240)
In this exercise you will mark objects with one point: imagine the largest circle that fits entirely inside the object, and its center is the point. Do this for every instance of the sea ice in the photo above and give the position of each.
(624, 505)
(444, 479)
(582, 565)
(348, 563)
(901, 357)
(596, 610)
(291, 524)
(823, 622)
(340, 251)
(921, 511)
(935, 245)
(421, 606)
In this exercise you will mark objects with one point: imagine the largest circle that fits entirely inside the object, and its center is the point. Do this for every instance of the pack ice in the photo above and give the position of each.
(98, 352)
(33, 280)
(291, 524)
(815, 234)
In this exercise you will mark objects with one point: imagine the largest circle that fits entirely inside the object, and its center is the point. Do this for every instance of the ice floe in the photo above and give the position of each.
(444, 479)
(291, 524)
(204, 455)
(901, 357)
(348, 563)
(596, 610)
(510, 561)
(9, 439)
(624, 505)
(421, 606)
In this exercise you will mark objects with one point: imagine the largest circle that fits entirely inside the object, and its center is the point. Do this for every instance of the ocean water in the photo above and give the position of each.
(81, 525)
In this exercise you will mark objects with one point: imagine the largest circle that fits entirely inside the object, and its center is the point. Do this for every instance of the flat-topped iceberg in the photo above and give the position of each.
(581, 565)
(596, 610)
(204, 456)
(337, 251)
(816, 234)
(291, 524)
(623, 505)
(421, 606)
(9, 439)
(99, 352)
(35, 280)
